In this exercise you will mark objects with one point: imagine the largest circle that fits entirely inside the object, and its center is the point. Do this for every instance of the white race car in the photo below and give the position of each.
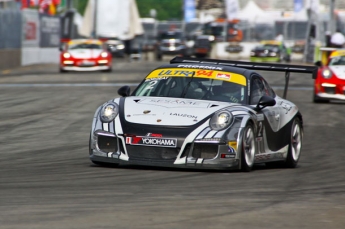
(200, 113)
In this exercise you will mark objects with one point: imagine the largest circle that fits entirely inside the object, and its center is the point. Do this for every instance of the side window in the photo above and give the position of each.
(257, 90)
(269, 90)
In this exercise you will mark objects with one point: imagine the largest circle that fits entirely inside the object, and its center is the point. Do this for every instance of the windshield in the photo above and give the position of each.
(170, 35)
(338, 60)
(85, 46)
(193, 86)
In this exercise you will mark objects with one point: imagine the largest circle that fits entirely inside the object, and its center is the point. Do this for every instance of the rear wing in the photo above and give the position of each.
(287, 68)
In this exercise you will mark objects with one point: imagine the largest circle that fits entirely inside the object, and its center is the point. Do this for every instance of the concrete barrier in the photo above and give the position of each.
(10, 58)
(39, 56)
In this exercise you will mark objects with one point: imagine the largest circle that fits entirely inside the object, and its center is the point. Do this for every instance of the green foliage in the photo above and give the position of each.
(80, 5)
(166, 9)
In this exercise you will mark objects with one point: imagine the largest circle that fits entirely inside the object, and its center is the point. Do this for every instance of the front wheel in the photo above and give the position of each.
(295, 144)
(248, 149)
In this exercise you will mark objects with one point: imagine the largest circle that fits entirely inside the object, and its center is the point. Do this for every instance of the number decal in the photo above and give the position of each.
(260, 129)
(151, 85)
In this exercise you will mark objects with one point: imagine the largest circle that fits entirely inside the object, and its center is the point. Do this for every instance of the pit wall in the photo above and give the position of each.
(31, 56)
(10, 58)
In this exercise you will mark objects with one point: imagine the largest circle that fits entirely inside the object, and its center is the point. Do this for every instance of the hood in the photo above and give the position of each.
(85, 53)
(338, 70)
(169, 111)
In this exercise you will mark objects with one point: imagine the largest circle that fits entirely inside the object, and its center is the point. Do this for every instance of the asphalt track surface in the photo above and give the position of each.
(47, 180)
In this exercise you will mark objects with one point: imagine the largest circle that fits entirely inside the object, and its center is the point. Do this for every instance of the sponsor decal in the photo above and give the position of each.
(175, 73)
(158, 78)
(174, 102)
(223, 155)
(154, 135)
(199, 66)
(151, 141)
(233, 144)
(231, 150)
(223, 76)
(184, 115)
(259, 139)
(204, 73)
(287, 107)
(260, 117)
(144, 114)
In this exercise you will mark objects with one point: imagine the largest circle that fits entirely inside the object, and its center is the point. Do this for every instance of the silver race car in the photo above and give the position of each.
(201, 114)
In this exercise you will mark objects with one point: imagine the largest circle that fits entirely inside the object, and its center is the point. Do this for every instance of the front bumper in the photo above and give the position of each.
(330, 90)
(108, 148)
(85, 69)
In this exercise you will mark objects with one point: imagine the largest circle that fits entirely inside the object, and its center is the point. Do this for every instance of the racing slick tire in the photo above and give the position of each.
(317, 99)
(248, 148)
(294, 150)
(62, 70)
(295, 144)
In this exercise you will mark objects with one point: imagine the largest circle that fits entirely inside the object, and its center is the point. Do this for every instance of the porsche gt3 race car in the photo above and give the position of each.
(200, 114)
(85, 55)
(330, 81)
(270, 51)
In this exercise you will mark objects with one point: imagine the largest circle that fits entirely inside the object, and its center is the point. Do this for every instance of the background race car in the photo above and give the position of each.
(200, 113)
(85, 55)
(330, 81)
(270, 51)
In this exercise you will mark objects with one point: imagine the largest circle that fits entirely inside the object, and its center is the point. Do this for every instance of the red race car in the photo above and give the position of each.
(330, 81)
(85, 55)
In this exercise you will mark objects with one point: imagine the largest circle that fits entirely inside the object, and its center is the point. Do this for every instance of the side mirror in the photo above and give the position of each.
(124, 91)
(318, 63)
(265, 101)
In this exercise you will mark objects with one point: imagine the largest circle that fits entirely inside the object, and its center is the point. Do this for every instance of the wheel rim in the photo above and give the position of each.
(296, 142)
(249, 147)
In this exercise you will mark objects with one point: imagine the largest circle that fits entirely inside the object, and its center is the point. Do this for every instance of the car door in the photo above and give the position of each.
(268, 118)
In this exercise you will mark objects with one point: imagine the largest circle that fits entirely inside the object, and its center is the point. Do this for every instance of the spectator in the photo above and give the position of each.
(338, 39)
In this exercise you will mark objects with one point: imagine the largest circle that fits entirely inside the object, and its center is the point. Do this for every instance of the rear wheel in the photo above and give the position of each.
(295, 145)
(248, 149)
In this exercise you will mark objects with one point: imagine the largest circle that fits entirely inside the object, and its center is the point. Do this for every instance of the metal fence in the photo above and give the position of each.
(10, 29)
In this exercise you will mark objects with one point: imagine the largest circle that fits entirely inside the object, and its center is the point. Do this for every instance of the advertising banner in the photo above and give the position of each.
(232, 9)
(30, 28)
(189, 10)
(49, 31)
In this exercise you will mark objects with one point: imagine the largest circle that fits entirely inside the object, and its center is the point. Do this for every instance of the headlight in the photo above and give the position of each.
(273, 54)
(120, 46)
(104, 54)
(221, 120)
(252, 53)
(109, 111)
(66, 55)
(326, 73)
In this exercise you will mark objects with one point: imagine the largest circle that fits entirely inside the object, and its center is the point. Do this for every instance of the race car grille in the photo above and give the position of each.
(107, 143)
(152, 153)
(206, 151)
(329, 90)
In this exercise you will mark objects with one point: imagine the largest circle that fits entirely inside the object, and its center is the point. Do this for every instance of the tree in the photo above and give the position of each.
(166, 9)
